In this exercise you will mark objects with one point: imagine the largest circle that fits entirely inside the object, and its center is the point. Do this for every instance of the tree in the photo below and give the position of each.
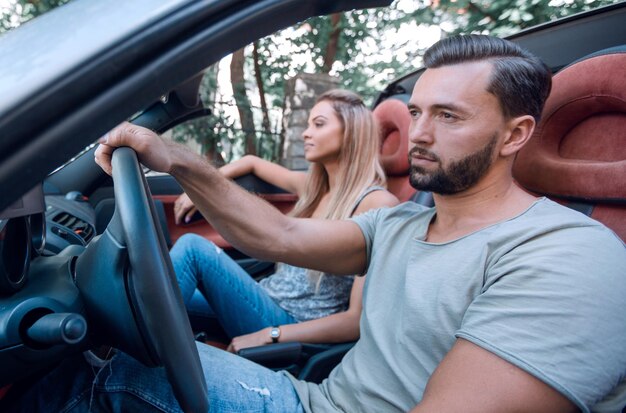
(333, 42)
(16, 12)
(260, 85)
(243, 102)
(504, 17)
(366, 49)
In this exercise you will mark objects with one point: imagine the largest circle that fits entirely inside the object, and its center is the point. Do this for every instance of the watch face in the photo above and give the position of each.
(275, 332)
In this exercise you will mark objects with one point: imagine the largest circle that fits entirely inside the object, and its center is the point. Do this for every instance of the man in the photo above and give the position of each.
(493, 301)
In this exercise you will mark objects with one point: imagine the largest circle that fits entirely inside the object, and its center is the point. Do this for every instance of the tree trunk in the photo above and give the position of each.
(242, 101)
(209, 140)
(259, 83)
(333, 42)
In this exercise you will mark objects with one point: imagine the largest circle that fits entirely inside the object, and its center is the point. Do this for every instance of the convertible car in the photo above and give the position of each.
(84, 257)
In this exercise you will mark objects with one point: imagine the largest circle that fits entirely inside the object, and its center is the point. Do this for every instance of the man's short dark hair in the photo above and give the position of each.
(520, 80)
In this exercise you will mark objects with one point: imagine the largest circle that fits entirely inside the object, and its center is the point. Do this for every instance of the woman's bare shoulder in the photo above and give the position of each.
(377, 199)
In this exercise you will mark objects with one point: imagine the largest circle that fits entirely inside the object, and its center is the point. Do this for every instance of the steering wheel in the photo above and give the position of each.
(162, 334)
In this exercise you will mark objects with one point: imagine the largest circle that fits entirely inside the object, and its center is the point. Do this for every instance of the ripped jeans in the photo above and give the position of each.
(124, 385)
(240, 304)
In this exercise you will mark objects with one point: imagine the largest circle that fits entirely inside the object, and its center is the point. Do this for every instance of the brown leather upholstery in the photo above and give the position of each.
(578, 151)
(394, 119)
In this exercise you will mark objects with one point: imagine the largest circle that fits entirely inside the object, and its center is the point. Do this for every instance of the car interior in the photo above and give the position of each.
(60, 243)
(577, 155)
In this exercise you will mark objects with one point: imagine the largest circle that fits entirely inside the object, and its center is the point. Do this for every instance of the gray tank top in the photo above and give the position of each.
(293, 290)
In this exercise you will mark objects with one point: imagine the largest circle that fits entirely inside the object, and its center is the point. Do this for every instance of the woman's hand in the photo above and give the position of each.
(260, 338)
(183, 209)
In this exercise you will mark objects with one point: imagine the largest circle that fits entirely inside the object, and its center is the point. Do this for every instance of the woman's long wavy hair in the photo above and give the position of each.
(359, 164)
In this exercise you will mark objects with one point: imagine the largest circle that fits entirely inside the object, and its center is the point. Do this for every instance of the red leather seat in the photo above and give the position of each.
(577, 155)
(394, 119)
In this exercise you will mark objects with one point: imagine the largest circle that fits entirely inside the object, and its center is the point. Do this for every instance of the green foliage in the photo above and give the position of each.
(16, 12)
(505, 17)
(368, 56)
(367, 59)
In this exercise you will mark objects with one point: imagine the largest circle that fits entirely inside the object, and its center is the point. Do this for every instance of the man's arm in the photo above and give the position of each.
(246, 221)
(471, 379)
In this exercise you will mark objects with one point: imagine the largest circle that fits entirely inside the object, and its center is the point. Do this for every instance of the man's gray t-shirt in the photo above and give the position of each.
(545, 291)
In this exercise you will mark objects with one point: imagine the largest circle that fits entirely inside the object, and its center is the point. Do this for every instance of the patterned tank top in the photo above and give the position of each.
(295, 292)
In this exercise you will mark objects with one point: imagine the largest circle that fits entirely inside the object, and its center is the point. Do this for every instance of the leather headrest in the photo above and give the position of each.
(578, 150)
(394, 119)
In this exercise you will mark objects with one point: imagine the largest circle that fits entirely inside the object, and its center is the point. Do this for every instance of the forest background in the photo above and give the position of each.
(364, 49)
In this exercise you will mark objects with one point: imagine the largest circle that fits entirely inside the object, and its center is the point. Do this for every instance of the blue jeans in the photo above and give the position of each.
(240, 304)
(125, 385)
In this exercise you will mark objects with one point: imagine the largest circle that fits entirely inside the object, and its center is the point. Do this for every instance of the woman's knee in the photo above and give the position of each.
(194, 245)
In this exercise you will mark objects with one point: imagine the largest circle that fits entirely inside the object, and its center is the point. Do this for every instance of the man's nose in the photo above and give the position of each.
(421, 130)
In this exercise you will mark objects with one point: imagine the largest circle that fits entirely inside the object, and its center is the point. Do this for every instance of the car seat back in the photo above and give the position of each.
(577, 154)
(393, 118)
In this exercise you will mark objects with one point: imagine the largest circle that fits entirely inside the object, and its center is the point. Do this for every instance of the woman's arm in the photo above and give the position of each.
(290, 181)
(335, 328)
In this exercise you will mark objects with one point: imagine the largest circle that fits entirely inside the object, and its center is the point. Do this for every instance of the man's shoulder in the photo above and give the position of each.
(408, 209)
(550, 228)
(406, 213)
(404, 210)
(550, 217)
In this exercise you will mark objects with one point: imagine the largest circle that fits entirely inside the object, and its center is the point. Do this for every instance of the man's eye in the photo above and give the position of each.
(448, 116)
(414, 113)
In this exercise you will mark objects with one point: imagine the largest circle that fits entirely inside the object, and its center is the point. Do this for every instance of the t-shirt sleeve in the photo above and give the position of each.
(367, 223)
(554, 306)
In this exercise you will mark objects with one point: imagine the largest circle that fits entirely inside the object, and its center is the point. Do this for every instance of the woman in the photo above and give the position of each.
(295, 304)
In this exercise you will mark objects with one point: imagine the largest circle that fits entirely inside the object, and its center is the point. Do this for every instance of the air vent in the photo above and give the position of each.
(76, 225)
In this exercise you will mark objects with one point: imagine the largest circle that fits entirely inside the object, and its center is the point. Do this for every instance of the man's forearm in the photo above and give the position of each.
(246, 221)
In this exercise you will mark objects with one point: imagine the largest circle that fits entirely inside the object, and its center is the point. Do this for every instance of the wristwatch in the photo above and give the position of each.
(275, 334)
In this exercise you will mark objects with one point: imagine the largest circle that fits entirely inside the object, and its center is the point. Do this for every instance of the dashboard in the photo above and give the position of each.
(40, 226)
(22, 235)
(41, 313)
(70, 220)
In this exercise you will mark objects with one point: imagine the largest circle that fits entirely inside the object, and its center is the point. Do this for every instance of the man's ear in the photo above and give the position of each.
(520, 130)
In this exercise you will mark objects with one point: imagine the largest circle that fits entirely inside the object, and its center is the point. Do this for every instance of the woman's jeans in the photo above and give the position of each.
(234, 384)
(240, 304)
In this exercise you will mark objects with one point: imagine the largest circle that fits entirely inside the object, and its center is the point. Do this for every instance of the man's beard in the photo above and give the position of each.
(457, 177)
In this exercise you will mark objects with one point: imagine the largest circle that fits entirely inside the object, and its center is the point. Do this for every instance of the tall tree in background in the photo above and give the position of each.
(267, 131)
(244, 107)
(332, 44)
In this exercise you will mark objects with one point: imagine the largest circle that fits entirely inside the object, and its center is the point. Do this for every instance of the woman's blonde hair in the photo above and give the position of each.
(359, 165)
